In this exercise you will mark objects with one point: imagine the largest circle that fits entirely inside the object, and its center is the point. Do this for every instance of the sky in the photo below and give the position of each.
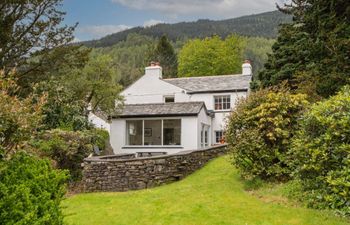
(98, 18)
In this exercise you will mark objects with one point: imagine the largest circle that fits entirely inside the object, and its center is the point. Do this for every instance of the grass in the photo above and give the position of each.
(212, 195)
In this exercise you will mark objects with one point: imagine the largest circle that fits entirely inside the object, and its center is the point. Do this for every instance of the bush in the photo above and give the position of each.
(69, 148)
(259, 132)
(19, 118)
(321, 150)
(30, 191)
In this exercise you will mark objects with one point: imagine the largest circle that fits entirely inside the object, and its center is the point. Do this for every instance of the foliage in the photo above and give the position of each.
(259, 25)
(19, 118)
(316, 44)
(69, 148)
(321, 153)
(259, 132)
(128, 57)
(211, 56)
(97, 85)
(209, 196)
(164, 53)
(30, 28)
(257, 50)
(62, 108)
(30, 191)
(54, 65)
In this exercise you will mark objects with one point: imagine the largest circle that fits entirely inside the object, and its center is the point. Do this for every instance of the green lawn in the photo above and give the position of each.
(213, 195)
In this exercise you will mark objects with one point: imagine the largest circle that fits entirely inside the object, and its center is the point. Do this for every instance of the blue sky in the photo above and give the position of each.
(98, 18)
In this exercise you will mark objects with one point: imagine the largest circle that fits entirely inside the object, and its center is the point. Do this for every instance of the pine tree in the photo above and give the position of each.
(315, 46)
(165, 54)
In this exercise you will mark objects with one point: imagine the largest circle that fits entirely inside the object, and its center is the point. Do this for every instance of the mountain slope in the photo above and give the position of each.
(259, 25)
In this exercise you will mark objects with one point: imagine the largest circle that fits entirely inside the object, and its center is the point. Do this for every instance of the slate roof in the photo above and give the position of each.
(207, 84)
(161, 109)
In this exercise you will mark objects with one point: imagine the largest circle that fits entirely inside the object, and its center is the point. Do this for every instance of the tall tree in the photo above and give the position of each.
(29, 28)
(165, 54)
(95, 84)
(211, 56)
(316, 47)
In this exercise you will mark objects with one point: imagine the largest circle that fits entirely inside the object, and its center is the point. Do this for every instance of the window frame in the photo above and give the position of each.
(222, 135)
(143, 133)
(165, 97)
(224, 101)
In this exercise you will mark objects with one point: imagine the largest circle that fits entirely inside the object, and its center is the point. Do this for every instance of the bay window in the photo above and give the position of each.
(156, 132)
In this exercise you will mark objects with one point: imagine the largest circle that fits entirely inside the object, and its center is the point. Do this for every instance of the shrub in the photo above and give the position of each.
(30, 191)
(69, 148)
(19, 118)
(259, 132)
(321, 150)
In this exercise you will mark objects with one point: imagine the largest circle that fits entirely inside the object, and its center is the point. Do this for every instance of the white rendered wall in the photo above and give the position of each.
(98, 122)
(151, 89)
(219, 121)
(188, 137)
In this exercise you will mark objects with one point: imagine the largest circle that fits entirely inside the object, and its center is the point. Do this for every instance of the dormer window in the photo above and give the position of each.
(169, 99)
(222, 102)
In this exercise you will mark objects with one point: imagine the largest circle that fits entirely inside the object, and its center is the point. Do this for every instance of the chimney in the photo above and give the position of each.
(247, 68)
(154, 70)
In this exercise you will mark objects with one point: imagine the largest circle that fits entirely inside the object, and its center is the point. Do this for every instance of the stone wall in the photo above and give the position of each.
(124, 173)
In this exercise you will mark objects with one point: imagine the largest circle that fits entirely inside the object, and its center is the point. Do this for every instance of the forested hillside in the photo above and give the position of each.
(259, 25)
(129, 57)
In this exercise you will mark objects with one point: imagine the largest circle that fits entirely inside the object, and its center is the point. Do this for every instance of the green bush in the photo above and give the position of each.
(69, 148)
(259, 132)
(30, 191)
(321, 152)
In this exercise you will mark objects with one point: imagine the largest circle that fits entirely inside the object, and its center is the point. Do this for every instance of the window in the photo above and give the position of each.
(171, 132)
(219, 137)
(134, 132)
(153, 132)
(222, 102)
(205, 136)
(168, 99)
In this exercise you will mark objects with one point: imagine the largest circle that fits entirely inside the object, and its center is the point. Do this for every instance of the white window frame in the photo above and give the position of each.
(205, 135)
(222, 97)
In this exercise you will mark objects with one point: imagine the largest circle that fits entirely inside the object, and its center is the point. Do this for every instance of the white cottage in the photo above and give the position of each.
(172, 115)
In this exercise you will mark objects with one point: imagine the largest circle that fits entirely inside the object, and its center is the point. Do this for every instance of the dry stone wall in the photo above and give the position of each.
(125, 172)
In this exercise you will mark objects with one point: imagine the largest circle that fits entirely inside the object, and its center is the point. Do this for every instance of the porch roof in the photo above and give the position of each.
(161, 110)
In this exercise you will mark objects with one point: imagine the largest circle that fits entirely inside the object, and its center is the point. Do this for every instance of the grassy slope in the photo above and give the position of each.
(213, 195)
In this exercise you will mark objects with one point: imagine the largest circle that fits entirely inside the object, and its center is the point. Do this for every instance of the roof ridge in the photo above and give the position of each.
(168, 103)
(178, 78)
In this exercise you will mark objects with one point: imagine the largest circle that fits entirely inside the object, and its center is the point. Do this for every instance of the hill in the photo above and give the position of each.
(259, 25)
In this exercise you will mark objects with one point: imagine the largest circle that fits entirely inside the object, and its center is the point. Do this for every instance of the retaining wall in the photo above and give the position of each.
(125, 172)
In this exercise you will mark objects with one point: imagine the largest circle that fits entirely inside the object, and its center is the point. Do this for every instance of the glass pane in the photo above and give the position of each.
(169, 99)
(172, 132)
(218, 103)
(134, 132)
(153, 132)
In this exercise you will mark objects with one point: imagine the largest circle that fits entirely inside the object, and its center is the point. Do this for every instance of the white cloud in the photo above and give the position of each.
(102, 30)
(152, 22)
(204, 8)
